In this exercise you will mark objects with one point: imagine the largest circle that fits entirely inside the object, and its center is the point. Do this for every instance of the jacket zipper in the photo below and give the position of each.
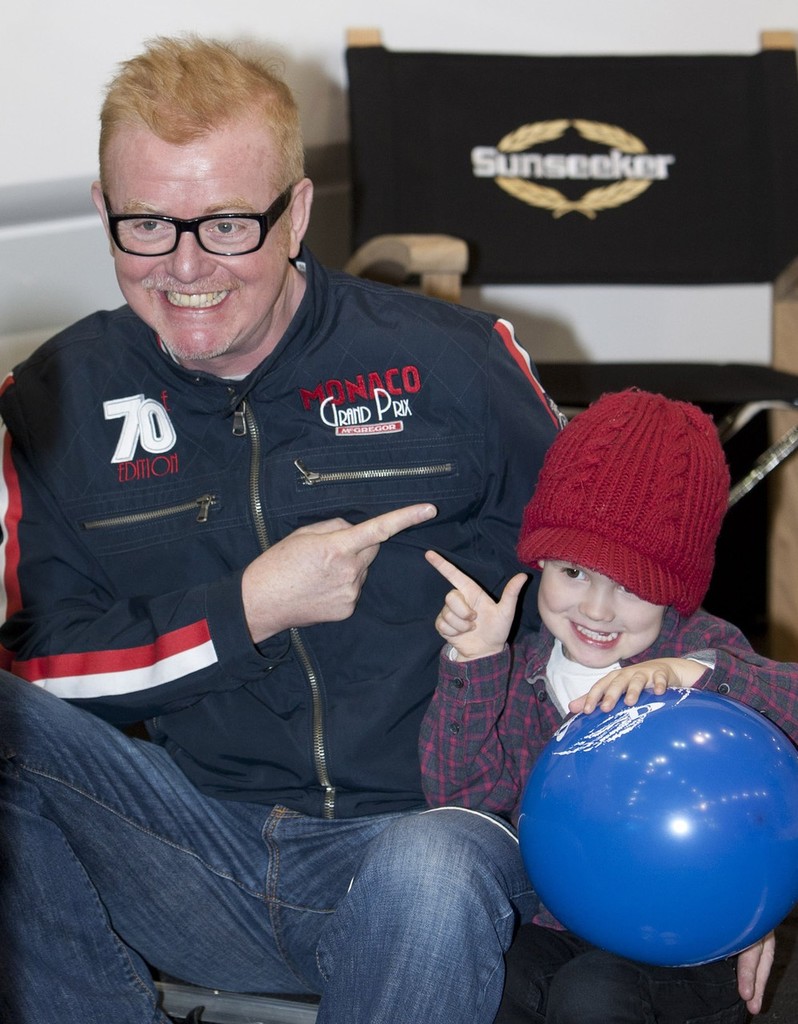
(310, 477)
(243, 417)
(201, 504)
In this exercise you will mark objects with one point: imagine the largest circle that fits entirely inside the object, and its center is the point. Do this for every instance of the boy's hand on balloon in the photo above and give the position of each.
(471, 621)
(629, 683)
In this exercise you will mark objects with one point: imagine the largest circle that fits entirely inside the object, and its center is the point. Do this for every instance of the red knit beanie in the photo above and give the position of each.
(635, 487)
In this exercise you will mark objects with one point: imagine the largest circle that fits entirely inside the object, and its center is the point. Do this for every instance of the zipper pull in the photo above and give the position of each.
(240, 421)
(308, 475)
(203, 504)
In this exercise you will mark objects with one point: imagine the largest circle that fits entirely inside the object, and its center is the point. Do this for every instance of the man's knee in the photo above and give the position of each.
(446, 841)
(448, 861)
(428, 886)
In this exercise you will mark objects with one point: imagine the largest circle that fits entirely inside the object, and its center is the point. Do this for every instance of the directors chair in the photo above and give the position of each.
(670, 170)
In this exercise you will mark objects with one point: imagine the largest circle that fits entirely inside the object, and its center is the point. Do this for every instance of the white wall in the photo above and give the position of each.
(54, 264)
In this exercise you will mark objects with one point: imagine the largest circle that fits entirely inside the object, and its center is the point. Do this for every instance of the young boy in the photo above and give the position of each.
(623, 523)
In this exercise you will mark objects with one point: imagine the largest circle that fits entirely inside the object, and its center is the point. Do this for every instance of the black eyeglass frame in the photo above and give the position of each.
(266, 222)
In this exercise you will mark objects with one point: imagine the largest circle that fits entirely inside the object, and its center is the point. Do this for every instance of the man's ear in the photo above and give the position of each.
(98, 199)
(299, 214)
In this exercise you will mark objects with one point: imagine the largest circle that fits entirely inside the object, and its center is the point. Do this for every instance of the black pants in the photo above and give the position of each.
(556, 977)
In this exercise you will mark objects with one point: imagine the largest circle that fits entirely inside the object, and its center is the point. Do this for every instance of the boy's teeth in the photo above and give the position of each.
(597, 636)
(195, 301)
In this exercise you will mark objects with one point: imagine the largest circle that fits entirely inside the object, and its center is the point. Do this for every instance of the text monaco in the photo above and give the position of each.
(393, 383)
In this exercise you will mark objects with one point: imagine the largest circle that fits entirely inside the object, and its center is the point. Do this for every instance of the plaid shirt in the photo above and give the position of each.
(490, 718)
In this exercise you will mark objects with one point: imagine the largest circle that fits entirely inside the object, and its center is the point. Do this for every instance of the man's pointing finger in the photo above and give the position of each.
(383, 527)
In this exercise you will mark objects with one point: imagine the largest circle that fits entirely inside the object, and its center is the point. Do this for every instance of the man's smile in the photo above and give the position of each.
(200, 300)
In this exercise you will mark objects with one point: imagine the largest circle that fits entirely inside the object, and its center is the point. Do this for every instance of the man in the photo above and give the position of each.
(216, 501)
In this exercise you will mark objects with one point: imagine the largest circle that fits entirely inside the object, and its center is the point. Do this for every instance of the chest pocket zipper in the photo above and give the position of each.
(311, 478)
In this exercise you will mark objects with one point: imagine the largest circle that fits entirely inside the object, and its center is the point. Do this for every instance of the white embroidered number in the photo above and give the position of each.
(144, 422)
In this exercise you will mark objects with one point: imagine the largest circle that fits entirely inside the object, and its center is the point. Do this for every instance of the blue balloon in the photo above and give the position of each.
(666, 832)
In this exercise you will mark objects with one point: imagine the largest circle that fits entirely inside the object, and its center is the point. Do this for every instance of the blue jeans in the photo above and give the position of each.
(555, 977)
(111, 863)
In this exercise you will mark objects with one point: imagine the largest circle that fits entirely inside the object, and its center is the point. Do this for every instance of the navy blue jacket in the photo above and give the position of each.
(135, 492)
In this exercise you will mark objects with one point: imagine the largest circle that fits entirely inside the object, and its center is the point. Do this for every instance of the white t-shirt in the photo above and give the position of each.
(566, 680)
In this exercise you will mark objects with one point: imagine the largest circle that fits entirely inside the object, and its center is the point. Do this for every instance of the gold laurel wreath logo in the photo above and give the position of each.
(604, 197)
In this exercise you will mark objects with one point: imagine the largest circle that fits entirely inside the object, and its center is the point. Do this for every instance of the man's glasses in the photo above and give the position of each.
(233, 234)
